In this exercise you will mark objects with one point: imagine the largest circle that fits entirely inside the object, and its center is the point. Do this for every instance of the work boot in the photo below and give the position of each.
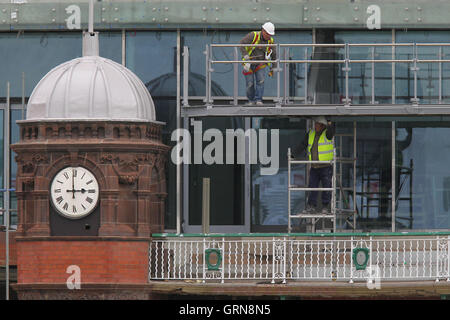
(309, 210)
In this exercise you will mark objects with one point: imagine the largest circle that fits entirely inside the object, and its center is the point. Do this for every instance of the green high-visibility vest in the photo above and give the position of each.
(325, 147)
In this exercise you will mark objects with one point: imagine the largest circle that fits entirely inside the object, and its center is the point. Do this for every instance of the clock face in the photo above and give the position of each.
(74, 192)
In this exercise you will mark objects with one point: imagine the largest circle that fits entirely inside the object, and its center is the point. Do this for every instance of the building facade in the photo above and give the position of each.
(383, 82)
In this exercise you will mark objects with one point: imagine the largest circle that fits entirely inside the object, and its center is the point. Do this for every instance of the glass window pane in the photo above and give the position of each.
(360, 74)
(269, 192)
(143, 52)
(427, 73)
(374, 175)
(423, 182)
(36, 53)
(226, 180)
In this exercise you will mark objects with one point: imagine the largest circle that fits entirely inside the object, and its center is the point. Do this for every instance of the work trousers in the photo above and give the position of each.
(255, 85)
(317, 175)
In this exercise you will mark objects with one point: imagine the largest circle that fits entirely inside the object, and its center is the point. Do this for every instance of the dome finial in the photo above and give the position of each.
(91, 16)
(90, 38)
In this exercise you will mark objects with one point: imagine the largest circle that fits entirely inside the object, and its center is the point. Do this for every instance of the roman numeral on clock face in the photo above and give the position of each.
(89, 200)
(66, 206)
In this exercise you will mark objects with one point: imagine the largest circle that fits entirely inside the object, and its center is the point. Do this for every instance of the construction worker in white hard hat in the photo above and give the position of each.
(255, 73)
(319, 146)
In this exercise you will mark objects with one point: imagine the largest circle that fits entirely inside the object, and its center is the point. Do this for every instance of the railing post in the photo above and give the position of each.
(415, 100)
(284, 260)
(236, 78)
(448, 258)
(273, 260)
(440, 55)
(208, 77)
(286, 76)
(205, 205)
(306, 76)
(204, 260)
(347, 70)
(370, 253)
(278, 100)
(149, 277)
(223, 260)
(438, 260)
(289, 190)
(351, 260)
(333, 194)
(373, 77)
(185, 76)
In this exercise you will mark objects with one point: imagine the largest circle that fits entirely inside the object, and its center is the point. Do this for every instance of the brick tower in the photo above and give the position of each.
(90, 182)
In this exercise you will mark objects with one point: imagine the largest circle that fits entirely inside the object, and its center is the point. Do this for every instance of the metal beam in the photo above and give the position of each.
(297, 14)
(315, 110)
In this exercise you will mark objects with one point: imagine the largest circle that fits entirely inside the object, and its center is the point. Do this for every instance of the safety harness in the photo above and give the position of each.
(257, 40)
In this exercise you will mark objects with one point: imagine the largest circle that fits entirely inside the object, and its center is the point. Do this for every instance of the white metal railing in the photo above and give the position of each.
(284, 258)
(284, 60)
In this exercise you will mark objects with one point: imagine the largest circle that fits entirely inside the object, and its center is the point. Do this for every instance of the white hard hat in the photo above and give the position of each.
(269, 27)
(321, 119)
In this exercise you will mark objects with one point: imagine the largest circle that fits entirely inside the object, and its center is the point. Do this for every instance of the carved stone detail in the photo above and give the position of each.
(129, 153)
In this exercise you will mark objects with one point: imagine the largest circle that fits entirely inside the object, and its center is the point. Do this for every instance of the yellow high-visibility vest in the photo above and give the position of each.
(256, 40)
(325, 147)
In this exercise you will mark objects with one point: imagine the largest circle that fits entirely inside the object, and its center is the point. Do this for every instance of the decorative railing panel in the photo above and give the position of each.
(287, 258)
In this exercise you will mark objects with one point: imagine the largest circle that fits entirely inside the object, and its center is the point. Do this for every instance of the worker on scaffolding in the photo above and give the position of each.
(255, 73)
(319, 145)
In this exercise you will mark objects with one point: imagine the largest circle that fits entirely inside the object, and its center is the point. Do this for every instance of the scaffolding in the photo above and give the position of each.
(303, 102)
(341, 209)
(345, 210)
(294, 188)
(306, 105)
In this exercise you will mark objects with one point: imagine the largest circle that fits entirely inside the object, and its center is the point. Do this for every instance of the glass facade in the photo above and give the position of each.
(422, 187)
(36, 53)
(423, 178)
(428, 74)
(360, 74)
(269, 192)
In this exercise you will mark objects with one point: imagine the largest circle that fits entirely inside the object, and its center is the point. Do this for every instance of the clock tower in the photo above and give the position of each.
(90, 182)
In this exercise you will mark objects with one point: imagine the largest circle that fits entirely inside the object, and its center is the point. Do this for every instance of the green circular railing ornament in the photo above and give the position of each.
(208, 253)
(360, 258)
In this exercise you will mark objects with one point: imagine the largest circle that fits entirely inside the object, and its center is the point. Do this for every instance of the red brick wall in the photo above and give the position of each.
(12, 248)
(99, 261)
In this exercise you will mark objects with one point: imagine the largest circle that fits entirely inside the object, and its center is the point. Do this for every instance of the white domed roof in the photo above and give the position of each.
(91, 88)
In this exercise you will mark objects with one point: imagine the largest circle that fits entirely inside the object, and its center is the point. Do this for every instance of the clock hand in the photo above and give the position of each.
(82, 190)
(73, 186)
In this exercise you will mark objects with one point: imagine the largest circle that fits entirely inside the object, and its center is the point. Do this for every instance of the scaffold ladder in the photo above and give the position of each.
(293, 188)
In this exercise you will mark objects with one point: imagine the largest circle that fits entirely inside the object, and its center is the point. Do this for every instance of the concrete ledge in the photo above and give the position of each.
(88, 291)
(306, 290)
